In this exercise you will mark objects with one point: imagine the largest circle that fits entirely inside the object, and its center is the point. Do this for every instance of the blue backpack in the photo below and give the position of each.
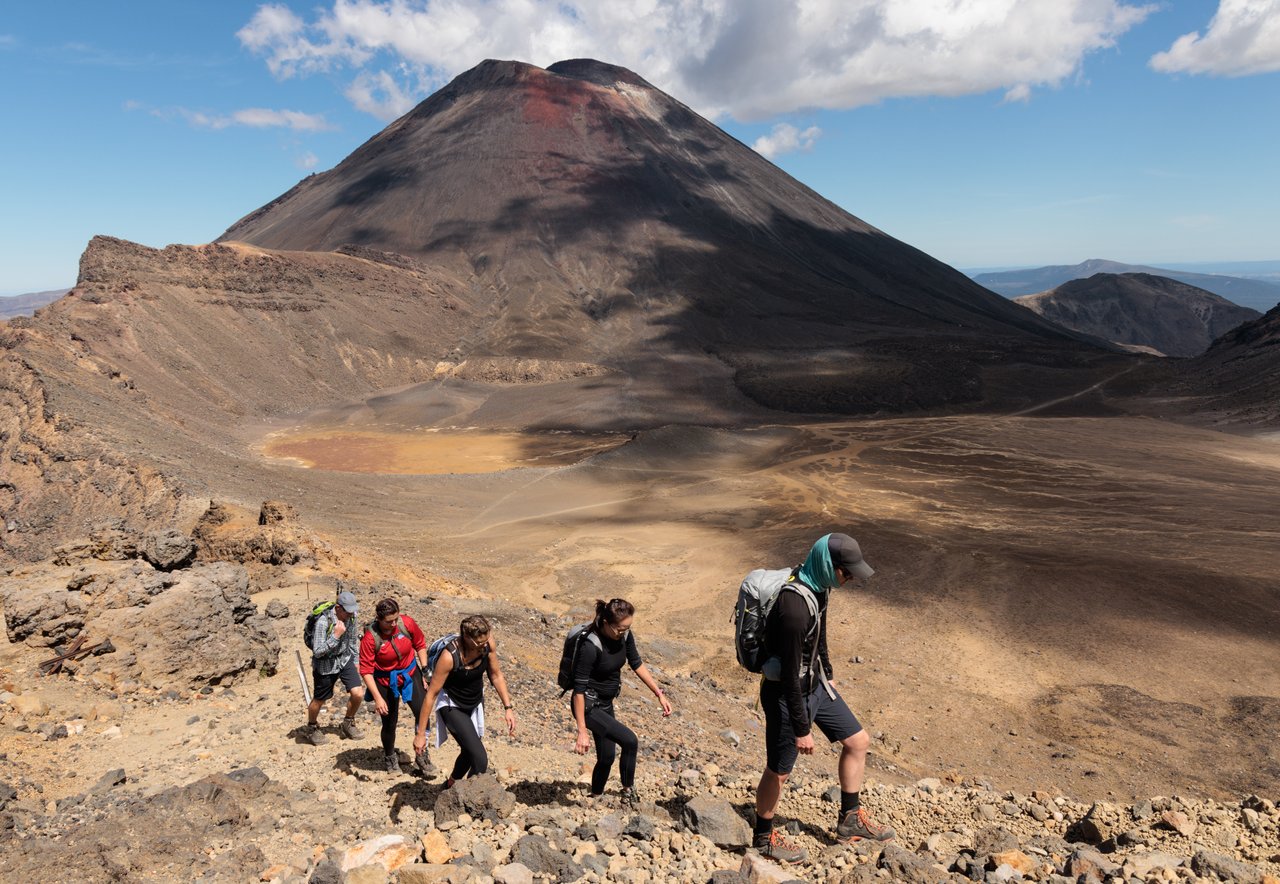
(433, 653)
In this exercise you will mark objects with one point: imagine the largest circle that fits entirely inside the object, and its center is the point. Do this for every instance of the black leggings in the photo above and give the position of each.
(609, 734)
(393, 710)
(472, 759)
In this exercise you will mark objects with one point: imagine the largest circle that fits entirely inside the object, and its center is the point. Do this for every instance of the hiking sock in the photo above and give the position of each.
(849, 801)
(764, 825)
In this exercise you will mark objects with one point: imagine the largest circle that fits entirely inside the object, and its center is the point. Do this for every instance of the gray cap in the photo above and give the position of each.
(846, 554)
(348, 600)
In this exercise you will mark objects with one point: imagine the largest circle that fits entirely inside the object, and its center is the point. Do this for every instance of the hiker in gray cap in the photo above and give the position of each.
(796, 693)
(335, 648)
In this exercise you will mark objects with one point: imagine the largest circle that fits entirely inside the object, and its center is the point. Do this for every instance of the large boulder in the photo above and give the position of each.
(716, 820)
(179, 629)
(274, 537)
(482, 797)
(205, 629)
(537, 855)
(168, 550)
(1216, 866)
(40, 609)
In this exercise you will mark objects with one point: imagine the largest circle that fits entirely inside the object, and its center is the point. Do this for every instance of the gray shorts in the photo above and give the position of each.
(323, 690)
(832, 717)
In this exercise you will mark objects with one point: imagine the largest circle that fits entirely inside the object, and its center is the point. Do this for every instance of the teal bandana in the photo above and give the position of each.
(817, 572)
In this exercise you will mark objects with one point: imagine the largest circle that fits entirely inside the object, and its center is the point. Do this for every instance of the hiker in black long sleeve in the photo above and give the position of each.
(796, 693)
(788, 636)
(599, 670)
(597, 681)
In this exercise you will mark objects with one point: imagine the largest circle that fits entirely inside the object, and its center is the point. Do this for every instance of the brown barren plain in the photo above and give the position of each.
(1084, 601)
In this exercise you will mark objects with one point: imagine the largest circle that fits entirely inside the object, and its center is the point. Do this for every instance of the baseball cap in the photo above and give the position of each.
(348, 599)
(846, 554)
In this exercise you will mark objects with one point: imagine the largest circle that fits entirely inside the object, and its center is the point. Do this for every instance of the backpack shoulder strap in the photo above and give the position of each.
(810, 600)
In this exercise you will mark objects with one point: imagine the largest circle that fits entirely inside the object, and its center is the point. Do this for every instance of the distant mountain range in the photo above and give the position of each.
(1141, 311)
(25, 305)
(1257, 294)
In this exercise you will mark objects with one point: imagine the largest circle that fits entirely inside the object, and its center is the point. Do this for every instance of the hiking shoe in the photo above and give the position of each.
(393, 763)
(423, 762)
(629, 797)
(856, 825)
(349, 730)
(779, 848)
(313, 735)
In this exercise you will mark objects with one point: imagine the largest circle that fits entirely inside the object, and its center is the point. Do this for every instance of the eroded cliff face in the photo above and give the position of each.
(113, 399)
(56, 478)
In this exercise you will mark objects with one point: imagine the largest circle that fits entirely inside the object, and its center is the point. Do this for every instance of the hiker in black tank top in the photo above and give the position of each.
(597, 680)
(456, 697)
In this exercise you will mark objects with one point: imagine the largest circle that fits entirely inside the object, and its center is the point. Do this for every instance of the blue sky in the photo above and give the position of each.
(992, 133)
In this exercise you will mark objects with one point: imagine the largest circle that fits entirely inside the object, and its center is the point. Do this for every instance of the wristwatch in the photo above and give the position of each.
(508, 706)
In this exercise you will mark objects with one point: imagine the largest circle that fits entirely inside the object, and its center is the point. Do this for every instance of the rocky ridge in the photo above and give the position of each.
(1141, 311)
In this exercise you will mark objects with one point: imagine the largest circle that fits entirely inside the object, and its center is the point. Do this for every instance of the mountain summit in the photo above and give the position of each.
(600, 219)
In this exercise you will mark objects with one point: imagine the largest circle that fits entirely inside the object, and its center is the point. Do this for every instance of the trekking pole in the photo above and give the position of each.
(302, 678)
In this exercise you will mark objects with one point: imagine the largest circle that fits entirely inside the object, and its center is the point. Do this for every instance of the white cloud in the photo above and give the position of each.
(1243, 38)
(252, 117)
(378, 93)
(262, 118)
(752, 59)
(786, 138)
(1021, 92)
(307, 161)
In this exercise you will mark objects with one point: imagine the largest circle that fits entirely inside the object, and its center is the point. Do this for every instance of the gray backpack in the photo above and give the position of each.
(756, 597)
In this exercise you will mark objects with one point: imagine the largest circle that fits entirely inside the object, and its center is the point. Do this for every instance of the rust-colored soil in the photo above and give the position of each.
(430, 452)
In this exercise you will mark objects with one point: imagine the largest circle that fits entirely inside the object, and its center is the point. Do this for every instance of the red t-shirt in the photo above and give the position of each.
(395, 653)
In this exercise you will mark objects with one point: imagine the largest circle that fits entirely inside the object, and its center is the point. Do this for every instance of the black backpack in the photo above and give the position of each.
(316, 613)
(569, 657)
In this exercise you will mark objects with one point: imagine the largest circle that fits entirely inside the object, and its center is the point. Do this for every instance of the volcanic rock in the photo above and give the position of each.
(188, 628)
(717, 820)
(480, 796)
(168, 550)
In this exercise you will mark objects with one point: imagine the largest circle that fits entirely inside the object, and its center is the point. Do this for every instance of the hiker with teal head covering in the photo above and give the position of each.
(817, 572)
(797, 693)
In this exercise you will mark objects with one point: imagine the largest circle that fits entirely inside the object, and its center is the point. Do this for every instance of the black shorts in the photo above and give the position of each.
(832, 717)
(324, 683)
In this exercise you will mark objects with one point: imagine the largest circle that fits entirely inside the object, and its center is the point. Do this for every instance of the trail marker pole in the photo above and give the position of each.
(302, 678)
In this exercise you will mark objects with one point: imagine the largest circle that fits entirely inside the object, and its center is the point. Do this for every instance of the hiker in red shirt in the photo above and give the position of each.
(393, 656)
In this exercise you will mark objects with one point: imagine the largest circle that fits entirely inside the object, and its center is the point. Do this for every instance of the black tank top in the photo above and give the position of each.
(466, 686)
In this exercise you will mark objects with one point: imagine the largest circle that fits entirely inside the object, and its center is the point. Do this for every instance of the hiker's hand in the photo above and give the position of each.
(339, 629)
(419, 743)
(511, 722)
(380, 704)
(666, 705)
(583, 744)
(805, 744)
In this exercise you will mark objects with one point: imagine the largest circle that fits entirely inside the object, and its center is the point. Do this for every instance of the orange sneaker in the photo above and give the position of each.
(857, 826)
(778, 848)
